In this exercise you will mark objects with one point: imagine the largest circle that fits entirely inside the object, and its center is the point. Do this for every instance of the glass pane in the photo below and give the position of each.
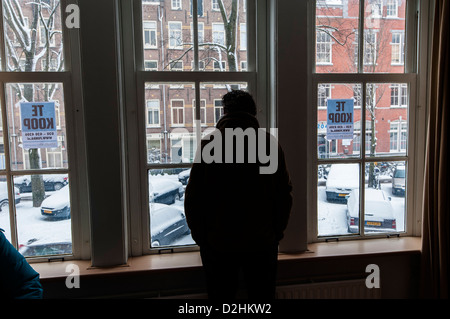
(43, 215)
(387, 119)
(384, 36)
(212, 93)
(168, 35)
(33, 35)
(37, 128)
(385, 197)
(337, 24)
(337, 214)
(168, 226)
(169, 122)
(328, 146)
(4, 207)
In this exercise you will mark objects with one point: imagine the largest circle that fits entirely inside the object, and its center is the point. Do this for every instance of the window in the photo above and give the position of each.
(392, 8)
(353, 184)
(175, 35)
(398, 48)
(149, 34)
(243, 36)
(176, 4)
(177, 112)
(34, 161)
(218, 35)
(151, 65)
(153, 113)
(323, 47)
(186, 99)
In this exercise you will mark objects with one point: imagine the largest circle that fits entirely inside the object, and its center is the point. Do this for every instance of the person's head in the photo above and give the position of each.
(238, 101)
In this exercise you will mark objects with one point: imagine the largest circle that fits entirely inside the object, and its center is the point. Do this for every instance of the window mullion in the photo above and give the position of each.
(362, 153)
(195, 31)
(2, 41)
(361, 37)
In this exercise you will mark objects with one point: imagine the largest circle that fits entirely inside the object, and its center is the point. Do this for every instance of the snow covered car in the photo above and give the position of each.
(51, 182)
(183, 177)
(164, 191)
(398, 180)
(35, 248)
(379, 213)
(341, 180)
(4, 202)
(57, 204)
(167, 223)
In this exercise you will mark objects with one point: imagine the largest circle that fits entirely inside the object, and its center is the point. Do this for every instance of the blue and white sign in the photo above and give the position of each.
(38, 125)
(340, 119)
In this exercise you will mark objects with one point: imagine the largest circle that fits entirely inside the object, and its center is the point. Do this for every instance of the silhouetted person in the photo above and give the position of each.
(236, 213)
(18, 280)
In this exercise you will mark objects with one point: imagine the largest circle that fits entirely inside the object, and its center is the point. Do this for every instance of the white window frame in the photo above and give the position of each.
(327, 45)
(203, 110)
(215, 5)
(200, 80)
(182, 109)
(218, 33)
(243, 36)
(400, 58)
(176, 4)
(391, 8)
(175, 31)
(153, 32)
(409, 77)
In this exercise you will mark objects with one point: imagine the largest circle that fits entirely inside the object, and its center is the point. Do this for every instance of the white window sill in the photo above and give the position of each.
(191, 260)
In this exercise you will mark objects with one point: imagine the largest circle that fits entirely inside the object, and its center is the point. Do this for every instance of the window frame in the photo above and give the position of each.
(410, 77)
(70, 79)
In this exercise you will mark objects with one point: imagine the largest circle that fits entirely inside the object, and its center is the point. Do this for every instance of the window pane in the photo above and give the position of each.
(4, 206)
(338, 148)
(385, 197)
(169, 120)
(337, 214)
(33, 35)
(38, 140)
(336, 36)
(168, 226)
(168, 34)
(386, 119)
(43, 215)
(384, 36)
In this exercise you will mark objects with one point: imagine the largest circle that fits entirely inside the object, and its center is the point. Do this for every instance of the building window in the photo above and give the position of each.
(215, 5)
(218, 33)
(323, 94)
(243, 37)
(392, 8)
(398, 136)
(399, 95)
(323, 47)
(150, 35)
(176, 4)
(218, 110)
(177, 112)
(153, 110)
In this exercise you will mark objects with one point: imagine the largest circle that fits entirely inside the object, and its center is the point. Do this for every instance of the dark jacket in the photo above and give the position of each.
(232, 206)
(18, 280)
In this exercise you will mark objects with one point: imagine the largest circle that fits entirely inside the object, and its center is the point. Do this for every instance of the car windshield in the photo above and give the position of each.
(400, 173)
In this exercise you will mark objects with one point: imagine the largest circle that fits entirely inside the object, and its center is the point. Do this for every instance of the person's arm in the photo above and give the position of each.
(17, 278)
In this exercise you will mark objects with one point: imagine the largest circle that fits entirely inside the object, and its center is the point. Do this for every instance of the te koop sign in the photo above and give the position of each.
(38, 125)
(340, 119)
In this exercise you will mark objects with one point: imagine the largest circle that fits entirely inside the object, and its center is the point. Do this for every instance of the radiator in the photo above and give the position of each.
(347, 289)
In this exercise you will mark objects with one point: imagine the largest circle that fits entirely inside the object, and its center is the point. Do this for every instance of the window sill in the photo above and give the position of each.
(191, 260)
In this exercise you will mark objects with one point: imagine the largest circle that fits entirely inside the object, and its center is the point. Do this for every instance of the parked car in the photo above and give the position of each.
(183, 177)
(167, 223)
(35, 248)
(164, 191)
(398, 180)
(379, 213)
(51, 182)
(4, 202)
(57, 204)
(341, 180)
